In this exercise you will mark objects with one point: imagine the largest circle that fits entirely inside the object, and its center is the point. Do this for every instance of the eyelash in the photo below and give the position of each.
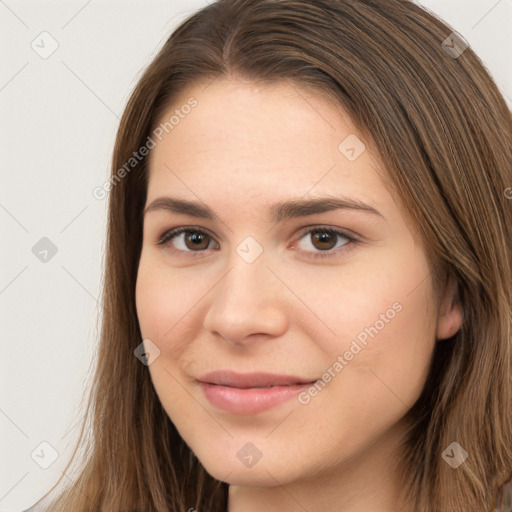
(329, 253)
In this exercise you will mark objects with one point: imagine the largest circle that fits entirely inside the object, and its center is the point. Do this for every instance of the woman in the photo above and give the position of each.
(342, 339)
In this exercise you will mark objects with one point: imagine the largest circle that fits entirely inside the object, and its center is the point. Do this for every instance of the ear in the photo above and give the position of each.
(450, 314)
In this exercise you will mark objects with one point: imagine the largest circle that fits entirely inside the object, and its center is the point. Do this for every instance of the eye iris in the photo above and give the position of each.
(196, 239)
(324, 237)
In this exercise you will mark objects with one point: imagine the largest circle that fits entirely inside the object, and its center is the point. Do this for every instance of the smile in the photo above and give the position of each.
(249, 400)
(250, 393)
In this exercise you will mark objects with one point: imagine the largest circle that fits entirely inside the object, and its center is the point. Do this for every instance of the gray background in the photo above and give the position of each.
(59, 114)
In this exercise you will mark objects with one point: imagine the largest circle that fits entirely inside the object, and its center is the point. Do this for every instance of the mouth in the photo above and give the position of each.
(250, 393)
(257, 380)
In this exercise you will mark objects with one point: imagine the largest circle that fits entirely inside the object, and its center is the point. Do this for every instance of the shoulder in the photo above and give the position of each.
(35, 508)
(39, 506)
(505, 498)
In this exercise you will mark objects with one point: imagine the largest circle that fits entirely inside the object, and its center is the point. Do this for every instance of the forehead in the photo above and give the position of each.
(261, 118)
(261, 140)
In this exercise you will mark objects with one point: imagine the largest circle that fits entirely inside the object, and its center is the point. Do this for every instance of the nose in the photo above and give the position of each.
(248, 304)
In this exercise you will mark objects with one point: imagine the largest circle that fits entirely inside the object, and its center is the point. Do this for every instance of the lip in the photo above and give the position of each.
(250, 393)
(251, 380)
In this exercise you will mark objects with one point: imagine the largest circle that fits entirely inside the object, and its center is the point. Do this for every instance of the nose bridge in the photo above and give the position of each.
(248, 283)
(248, 273)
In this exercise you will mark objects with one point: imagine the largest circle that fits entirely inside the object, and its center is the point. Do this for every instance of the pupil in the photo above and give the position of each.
(195, 238)
(324, 238)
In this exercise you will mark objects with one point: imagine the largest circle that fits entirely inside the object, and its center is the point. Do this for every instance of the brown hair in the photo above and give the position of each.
(444, 134)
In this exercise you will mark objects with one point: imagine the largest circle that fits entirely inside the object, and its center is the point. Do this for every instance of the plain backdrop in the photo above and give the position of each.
(67, 69)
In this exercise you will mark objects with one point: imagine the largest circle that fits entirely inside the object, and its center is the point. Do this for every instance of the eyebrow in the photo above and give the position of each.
(278, 212)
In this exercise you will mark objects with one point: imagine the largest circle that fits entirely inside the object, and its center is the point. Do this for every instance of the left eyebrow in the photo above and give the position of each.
(278, 212)
(304, 207)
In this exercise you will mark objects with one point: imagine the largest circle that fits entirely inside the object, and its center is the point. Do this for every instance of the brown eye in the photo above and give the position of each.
(186, 240)
(325, 242)
(196, 240)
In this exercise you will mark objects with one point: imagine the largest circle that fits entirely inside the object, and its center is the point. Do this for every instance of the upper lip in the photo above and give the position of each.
(251, 380)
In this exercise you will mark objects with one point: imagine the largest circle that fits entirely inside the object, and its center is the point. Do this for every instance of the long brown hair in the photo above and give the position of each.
(444, 133)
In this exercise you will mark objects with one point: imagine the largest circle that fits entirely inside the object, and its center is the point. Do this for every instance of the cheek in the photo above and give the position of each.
(150, 301)
(384, 327)
(161, 304)
(164, 300)
(377, 296)
(387, 359)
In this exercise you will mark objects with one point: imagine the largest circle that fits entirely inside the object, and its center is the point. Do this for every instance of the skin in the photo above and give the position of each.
(285, 312)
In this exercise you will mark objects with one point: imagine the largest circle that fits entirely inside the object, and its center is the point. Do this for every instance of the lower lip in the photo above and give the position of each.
(251, 400)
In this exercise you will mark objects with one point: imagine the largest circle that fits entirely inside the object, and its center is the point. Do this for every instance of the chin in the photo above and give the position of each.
(266, 472)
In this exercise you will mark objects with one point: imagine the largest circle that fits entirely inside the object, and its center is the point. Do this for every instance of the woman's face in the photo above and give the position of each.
(253, 288)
